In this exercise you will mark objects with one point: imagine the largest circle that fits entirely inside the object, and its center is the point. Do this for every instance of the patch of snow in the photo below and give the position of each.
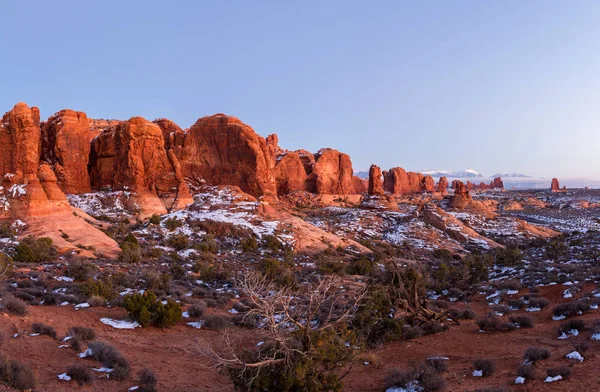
(520, 380)
(196, 324)
(574, 355)
(86, 353)
(558, 318)
(63, 279)
(64, 377)
(120, 324)
(552, 379)
(102, 370)
(477, 373)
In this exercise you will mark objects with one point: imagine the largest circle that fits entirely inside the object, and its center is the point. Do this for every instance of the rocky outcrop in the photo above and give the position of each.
(273, 142)
(223, 150)
(461, 197)
(290, 173)
(375, 181)
(442, 186)
(497, 183)
(131, 156)
(20, 137)
(172, 134)
(333, 173)
(397, 181)
(66, 141)
(359, 185)
(555, 186)
(428, 184)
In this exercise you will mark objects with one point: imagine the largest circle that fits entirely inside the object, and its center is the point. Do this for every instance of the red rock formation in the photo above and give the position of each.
(273, 142)
(132, 156)
(375, 181)
(172, 134)
(398, 182)
(428, 184)
(442, 186)
(333, 173)
(290, 174)
(555, 186)
(223, 150)
(20, 137)
(462, 197)
(66, 141)
(359, 185)
(497, 183)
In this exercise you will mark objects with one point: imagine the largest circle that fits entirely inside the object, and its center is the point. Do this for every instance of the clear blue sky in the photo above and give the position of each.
(492, 85)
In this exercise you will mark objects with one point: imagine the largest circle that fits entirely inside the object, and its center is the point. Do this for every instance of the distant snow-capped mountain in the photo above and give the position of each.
(511, 175)
(467, 173)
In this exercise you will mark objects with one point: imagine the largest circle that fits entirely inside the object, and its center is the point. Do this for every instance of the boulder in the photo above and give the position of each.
(442, 186)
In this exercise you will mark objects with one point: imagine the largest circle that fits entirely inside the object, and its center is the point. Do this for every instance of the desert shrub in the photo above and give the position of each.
(372, 321)
(271, 242)
(147, 309)
(438, 364)
(503, 309)
(197, 309)
(468, 314)
(130, 253)
(556, 249)
(477, 266)
(81, 374)
(570, 325)
(7, 230)
(525, 370)
(80, 270)
(442, 254)
(361, 266)
(99, 288)
(249, 245)
(509, 284)
(178, 241)
(177, 271)
(580, 346)
(571, 309)
(173, 223)
(508, 256)
(154, 219)
(562, 371)
(426, 375)
(412, 331)
(17, 375)
(32, 250)
(147, 381)
(13, 305)
(331, 266)
(80, 335)
(399, 378)
(516, 304)
(534, 354)
(208, 244)
(211, 272)
(522, 321)
(96, 301)
(486, 366)
(111, 358)
(217, 322)
(539, 302)
(43, 329)
(493, 323)
(83, 333)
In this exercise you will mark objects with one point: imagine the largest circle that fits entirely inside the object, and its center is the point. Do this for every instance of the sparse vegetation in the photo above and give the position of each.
(147, 309)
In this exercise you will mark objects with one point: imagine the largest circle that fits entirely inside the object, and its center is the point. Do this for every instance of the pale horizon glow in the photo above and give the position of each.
(492, 86)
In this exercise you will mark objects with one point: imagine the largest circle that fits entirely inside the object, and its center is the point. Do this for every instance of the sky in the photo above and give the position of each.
(497, 86)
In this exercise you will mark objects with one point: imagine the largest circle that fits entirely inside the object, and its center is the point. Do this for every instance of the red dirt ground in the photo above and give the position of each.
(173, 353)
